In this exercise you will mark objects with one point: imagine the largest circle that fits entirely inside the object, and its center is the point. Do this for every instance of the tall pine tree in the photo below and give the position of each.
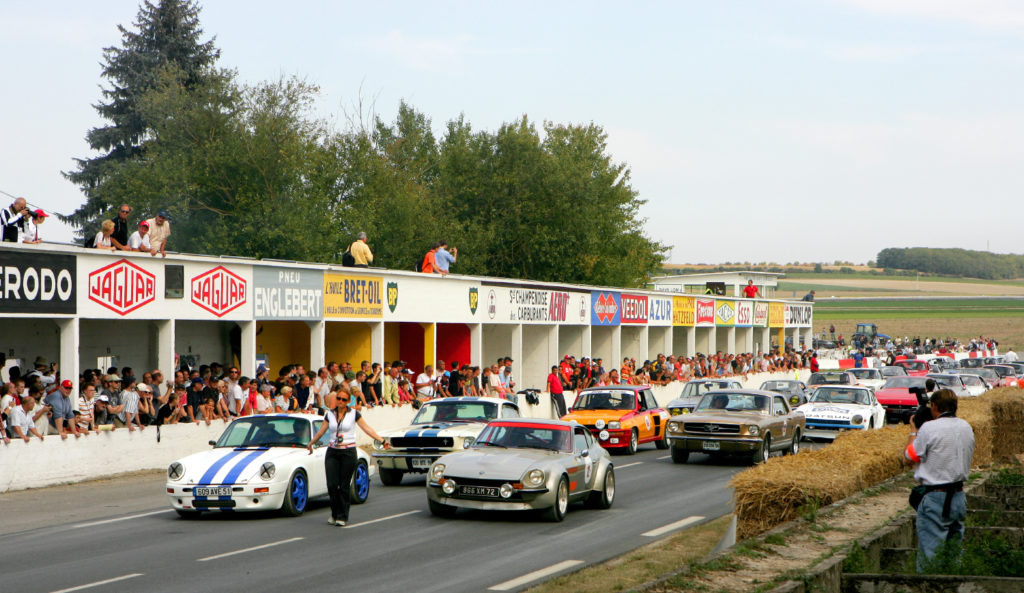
(165, 36)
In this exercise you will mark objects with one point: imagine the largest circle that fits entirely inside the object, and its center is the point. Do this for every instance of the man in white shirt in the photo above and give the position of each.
(42, 373)
(139, 241)
(425, 382)
(22, 419)
(1011, 356)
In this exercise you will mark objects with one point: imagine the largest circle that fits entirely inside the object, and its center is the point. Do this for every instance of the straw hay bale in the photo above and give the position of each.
(775, 492)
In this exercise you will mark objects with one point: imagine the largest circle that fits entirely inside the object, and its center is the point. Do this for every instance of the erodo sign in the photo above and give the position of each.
(37, 283)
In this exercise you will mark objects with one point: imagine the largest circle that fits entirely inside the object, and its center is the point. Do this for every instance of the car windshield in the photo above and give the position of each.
(266, 431)
(605, 400)
(986, 373)
(893, 371)
(971, 363)
(525, 436)
(865, 373)
(1001, 370)
(833, 395)
(699, 388)
(781, 386)
(456, 411)
(914, 365)
(972, 380)
(945, 380)
(734, 402)
(829, 379)
(904, 382)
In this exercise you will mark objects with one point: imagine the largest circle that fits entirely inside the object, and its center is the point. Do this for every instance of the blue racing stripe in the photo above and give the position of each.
(430, 433)
(241, 465)
(211, 472)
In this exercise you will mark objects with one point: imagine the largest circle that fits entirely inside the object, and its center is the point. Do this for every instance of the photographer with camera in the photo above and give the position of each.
(12, 220)
(443, 259)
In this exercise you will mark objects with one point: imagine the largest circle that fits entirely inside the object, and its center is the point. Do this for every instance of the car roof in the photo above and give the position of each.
(617, 388)
(534, 421)
(843, 387)
(467, 398)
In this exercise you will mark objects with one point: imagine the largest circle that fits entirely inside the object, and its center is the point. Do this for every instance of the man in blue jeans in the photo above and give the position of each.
(942, 449)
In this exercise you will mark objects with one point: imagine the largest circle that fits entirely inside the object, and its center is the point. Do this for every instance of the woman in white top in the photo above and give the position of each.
(340, 461)
(103, 237)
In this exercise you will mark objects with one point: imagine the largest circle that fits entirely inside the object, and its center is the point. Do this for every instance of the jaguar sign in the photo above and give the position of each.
(122, 287)
(219, 291)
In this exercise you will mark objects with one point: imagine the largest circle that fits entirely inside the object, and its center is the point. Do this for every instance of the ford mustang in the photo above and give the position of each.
(441, 426)
(834, 409)
(694, 390)
(524, 465)
(621, 417)
(259, 463)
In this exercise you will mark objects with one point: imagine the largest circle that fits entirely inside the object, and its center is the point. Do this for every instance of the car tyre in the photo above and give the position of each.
(794, 447)
(634, 442)
(390, 477)
(680, 455)
(360, 483)
(662, 443)
(438, 509)
(187, 515)
(297, 494)
(763, 452)
(603, 498)
(557, 511)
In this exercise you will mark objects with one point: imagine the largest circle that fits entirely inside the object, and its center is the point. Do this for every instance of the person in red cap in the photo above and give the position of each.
(62, 410)
(35, 218)
(139, 241)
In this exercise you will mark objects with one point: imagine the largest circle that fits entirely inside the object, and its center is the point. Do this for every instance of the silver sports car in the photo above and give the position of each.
(524, 464)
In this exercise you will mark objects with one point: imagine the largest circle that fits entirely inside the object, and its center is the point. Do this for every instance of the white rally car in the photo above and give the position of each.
(440, 427)
(836, 408)
(260, 463)
(871, 378)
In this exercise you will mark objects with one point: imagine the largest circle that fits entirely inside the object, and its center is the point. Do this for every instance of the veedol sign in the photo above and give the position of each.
(282, 293)
(122, 287)
(37, 283)
(634, 308)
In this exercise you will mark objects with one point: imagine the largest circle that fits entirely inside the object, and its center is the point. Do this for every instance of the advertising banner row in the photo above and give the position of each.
(106, 286)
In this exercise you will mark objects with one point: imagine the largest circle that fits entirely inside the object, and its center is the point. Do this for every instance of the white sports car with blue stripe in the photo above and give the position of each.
(259, 463)
(836, 408)
(440, 427)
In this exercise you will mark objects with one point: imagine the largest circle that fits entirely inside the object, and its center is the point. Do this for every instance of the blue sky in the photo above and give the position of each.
(756, 131)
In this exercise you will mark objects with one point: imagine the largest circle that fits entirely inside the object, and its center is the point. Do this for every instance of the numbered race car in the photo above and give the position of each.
(621, 417)
(520, 465)
(834, 409)
(746, 422)
(694, 390)
(259, 463)
(441, 426)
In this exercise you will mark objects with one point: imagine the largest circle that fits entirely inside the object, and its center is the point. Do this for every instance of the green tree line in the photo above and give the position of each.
(953, 262)
(250, 170)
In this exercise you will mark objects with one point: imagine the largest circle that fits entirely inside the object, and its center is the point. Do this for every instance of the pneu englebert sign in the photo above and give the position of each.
(284, 293)
(358, 297)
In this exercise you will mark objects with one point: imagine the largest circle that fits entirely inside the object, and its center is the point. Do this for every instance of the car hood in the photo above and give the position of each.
(437, 429)
(495, 463)
(724, 418)
(833, 411)
(684, 402)
(225, 465)
(896, 396)
(591, 416)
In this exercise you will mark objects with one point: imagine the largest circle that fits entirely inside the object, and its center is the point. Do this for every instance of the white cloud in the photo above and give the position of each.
(991, 14)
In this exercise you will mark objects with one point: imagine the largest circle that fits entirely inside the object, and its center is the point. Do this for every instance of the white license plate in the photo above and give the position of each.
(712, 446)
(218, 491)
(420, 462)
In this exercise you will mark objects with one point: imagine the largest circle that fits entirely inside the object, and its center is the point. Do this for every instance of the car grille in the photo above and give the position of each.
(895, 409)
(711, 428)
(422, 442)
(826, 424)
(516, 496)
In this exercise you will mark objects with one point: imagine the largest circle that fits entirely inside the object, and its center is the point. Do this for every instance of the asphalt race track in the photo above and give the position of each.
(392, 543)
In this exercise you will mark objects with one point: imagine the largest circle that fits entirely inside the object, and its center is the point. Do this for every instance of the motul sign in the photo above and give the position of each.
(122, 287)
(219, 291)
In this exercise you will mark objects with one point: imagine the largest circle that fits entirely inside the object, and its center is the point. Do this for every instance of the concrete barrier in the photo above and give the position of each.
(54, 461)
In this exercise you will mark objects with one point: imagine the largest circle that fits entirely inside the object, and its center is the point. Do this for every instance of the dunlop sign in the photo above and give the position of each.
(283, 293)
(37, 283)
(682, 311)
(356, 297)
(798, 315)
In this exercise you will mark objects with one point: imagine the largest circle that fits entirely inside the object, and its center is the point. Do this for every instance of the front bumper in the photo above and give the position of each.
(418, 463)
(523, 500)
(695, 444)
(617, 438)
(243, 498)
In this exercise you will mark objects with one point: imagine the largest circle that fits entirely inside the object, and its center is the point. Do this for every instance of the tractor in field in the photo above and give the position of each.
(867, 334)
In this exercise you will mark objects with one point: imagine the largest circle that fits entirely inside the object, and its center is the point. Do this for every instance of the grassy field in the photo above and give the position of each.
(825, 278)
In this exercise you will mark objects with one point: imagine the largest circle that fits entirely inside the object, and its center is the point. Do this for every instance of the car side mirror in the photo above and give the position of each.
(213, 443)
(585, 453)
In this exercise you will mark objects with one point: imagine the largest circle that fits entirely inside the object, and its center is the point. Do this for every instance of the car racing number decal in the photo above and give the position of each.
(647, 421)
(588, 468)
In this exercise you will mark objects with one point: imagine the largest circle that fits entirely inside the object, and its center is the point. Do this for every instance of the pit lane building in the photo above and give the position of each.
(85, 308)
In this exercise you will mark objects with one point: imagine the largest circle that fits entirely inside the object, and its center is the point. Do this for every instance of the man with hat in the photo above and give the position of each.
(101, 413)
(115, 408)
(43, 372)
(139, 241)
(159, 232)
(32, 222)
(62, 410)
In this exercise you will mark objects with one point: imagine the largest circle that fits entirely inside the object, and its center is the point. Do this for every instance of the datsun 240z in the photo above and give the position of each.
(836, 408)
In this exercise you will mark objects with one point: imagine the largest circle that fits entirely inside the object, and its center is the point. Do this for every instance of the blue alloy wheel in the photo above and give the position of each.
(361, 483)
(297, 495)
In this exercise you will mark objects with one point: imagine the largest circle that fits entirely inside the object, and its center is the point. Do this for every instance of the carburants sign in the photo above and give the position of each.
(705, 312)
(122, 287)
(634, 308)
(219, 291)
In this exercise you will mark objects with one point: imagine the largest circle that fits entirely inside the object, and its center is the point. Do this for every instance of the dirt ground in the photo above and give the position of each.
(1009, 332)
(800, 546)
(943, 288)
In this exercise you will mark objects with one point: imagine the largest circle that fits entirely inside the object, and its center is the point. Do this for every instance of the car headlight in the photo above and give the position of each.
(675, 411)
(534, 478)
(603, 435)
(599, 424)
(437, 472)
(467, 442)
(175, 471)
(673, 427)
(378, 445)
(614, 424)
(857, 419)
(686, 411)
(753, 430)
(267, 470)
(506, 490)
(449, 487)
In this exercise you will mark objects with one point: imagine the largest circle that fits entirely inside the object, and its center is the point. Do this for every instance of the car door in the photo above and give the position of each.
(582, 471)
(780, 413)
(645, 418)
(315, 464)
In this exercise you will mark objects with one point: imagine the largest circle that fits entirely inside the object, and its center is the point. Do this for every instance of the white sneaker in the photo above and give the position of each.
(342, 523)
(332, 521)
